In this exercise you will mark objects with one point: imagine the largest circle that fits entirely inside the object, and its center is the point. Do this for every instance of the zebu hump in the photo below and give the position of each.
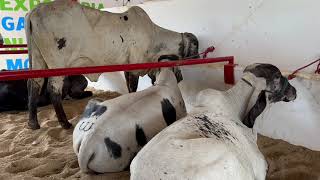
(139, 12)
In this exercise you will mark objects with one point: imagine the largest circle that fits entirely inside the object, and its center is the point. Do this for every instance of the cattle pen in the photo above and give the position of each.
(51, 142)
(26, 74)
(159, 89)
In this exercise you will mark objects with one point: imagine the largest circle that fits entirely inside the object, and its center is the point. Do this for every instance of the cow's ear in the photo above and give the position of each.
(256, 110)
(91, 107)
(152, 77)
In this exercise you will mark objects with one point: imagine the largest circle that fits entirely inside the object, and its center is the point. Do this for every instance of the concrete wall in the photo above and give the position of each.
(284, 33)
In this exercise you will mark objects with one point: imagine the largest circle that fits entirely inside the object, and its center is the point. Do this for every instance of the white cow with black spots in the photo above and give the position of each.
(110, 133)
(216, 141)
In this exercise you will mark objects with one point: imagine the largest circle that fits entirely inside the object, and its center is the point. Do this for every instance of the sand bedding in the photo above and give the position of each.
(47, 153)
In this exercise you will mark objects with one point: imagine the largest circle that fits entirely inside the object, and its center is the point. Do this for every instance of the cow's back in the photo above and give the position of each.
(190, 148)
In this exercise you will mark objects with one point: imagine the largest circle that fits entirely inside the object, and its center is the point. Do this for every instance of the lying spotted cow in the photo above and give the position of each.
(215, 141)
(65, 34)
(110, 133)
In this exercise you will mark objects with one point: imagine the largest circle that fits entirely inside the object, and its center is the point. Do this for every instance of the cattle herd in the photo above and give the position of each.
(148, 132)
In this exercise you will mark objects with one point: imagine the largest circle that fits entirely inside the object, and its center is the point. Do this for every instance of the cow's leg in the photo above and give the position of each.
(34, 88)
(36, 61)
(55, 92)
(78, 86)
(132, 81)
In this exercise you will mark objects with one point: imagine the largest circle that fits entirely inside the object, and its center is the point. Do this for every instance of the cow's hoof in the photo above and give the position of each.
(66, 125)
(33, 126)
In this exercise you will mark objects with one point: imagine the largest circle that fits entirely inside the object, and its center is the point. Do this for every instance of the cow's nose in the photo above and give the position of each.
(291, 93)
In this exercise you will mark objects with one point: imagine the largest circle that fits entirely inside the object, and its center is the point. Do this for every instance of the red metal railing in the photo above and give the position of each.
(14, 46)
(13, 51)
(26, 74)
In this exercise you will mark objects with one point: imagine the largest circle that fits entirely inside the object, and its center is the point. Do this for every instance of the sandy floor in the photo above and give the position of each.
(289, 162)
(47, 153)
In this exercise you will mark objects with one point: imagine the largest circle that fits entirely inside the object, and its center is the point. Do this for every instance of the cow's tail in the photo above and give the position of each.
(28, 30)
(29, 36)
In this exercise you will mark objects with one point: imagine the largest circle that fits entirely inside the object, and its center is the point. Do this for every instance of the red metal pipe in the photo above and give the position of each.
(26, 74)
(228, 68)
(229, 72)
(14, 46)
(14, 52)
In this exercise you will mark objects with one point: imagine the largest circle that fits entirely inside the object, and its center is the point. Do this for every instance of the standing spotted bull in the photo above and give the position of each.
(65, 34)
(110, 133)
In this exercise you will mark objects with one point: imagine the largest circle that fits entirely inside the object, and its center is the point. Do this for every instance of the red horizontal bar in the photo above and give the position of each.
(14, 52)
(13, 46)
(26, 74)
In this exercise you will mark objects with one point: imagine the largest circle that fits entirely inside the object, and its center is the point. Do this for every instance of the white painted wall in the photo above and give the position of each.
(251, 30)
(284, 33)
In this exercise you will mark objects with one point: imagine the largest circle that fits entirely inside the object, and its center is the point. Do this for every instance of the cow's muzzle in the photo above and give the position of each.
(287, 93)
(290, 94)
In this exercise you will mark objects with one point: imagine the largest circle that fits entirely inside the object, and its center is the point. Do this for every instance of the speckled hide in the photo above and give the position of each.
(110, 133)
(65, 34)
(215, 141)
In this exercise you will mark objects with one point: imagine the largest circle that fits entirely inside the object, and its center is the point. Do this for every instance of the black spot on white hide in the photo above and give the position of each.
(94, 109)
(140, 136)
(168, 111)
(113, 148)
(122, 40)
(61, 43)
(210, 128)
(256, 110)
